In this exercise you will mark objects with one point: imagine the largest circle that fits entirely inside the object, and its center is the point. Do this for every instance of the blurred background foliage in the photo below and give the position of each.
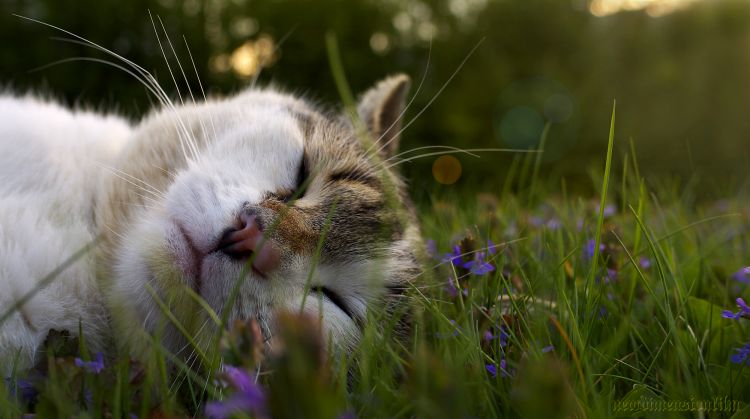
(678, 69)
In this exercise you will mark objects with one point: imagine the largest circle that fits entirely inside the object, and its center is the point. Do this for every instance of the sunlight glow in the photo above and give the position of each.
(654, 8)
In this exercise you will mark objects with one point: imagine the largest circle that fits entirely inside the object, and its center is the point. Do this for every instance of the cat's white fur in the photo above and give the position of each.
(56, 163)
(50, 163)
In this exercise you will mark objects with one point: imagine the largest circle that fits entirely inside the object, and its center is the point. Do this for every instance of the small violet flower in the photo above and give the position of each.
(23, 388)
(248, 397)
(609, 210)
(742, 356)
(644, 262)
(492, 247)
(452, 291)
(548, 349)
(347, 415)
(744, 311)
(588, 252)
(504, 371)
(95, 367)
(479, 266)
(431, 248)
(536, 221)
(488, 336)
(743, 275)
(454, 256)
(492, 369)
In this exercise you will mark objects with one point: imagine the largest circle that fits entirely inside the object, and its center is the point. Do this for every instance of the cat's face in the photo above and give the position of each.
(281, 209)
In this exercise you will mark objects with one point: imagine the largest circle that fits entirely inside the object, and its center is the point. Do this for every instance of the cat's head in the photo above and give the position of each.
(263, 202)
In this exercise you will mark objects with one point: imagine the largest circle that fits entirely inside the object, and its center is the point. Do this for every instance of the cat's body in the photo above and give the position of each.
(189, 199)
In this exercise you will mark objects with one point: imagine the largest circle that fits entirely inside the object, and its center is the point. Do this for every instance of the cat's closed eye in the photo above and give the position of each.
(301, 184)
(333, 297)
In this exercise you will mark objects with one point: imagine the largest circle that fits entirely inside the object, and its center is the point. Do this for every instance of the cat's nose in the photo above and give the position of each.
(248, 243)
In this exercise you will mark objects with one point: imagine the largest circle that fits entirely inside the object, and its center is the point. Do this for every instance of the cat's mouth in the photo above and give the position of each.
(192, 262)
(243, 246)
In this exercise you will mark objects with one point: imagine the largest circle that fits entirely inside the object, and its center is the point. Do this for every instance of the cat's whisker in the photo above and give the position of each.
(200, 84)
(155, 191)
(406, 107)
(184, 76)
(150, 198)
(191, 144)
(273, 52)
(141, 205)
(469, 151)
(429, 147)
(172, 175)
(100, 61)
(148, 77)
(439, 92)
(111, 230)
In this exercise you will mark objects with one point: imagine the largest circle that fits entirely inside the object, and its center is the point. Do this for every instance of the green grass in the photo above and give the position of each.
(650, 334)
(568, 273)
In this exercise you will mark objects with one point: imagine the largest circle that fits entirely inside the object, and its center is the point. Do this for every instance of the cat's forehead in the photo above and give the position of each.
(329, 139)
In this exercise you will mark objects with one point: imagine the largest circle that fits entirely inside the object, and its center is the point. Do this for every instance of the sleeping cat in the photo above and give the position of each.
(261, 192)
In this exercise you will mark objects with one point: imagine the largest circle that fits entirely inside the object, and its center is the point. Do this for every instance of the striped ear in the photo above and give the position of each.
(381, 109)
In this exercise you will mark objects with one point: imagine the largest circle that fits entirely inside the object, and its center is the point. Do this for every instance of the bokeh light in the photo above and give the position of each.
(652, 7)
(446, 170)
(525, 106)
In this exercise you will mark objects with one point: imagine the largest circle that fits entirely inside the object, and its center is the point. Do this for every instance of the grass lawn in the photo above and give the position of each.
(532, 304)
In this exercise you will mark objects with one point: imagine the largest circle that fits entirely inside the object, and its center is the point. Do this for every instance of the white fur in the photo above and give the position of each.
(70, 176)
(50, 161)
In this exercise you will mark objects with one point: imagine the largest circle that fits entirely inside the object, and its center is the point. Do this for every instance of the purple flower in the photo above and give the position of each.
(454, 333)
(744, 311)
(536, 221)
(553, 224)
(451, 289)
(95, 367)
(248, 397)
(491, 247)
(504, 336)
(479, 266)
(492, 369)
(488, 336)
(742, 355)
(454, 257)
(347, 415)
(609, 210)
(644, 262)
(548, 349)
(23, 388)
(504, 371)
(610, 276)
(431, 248)
(588, 252)
(743, 275)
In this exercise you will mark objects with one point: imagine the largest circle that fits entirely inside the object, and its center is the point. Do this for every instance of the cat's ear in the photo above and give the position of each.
(381, 109)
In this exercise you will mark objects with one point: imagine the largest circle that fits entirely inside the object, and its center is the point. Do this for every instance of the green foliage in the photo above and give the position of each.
(680, 79)
(567, 273)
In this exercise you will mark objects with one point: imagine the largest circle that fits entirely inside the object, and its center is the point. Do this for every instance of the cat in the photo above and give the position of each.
(142, 229)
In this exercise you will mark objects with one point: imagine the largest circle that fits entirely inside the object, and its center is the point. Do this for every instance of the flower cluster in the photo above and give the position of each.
(472, 260)
(95, 366)
(742, 354)
(467, 260)
(248, 396)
